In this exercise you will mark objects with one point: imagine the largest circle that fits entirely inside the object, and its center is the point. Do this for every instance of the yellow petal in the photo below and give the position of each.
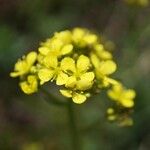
(83, 63)
(56, 44)
(31, 58)
(14, 74)
(107, 67)
(113, 95)
(95, 61)
(106, 81)
(105, 55)
(112, 81)
(61, 78)
(67, 49)
(66, 93)
(102, 53)
(90, 39)
(129, 94)
(29, 86)
(118, 88)
(99, 48)
(50, 61)
(71, 82)
(40, 58)
(21, 68)
(64, 36)
(43, 50)
(78, 34)
(68, 64)
(45, 75)
(86, 81)
(25, 88)
(21, 65)
(127, 103)
(78, 98)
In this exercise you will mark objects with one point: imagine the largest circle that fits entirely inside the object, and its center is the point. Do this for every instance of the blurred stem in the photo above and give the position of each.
(73, 127)
(52, 99)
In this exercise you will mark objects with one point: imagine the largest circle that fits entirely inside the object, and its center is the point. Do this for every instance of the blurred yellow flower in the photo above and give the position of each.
(103, 68)
(23, 66)
(101, 52)
(64, 36)
(111, 116)
(122, 96)
(82, 37)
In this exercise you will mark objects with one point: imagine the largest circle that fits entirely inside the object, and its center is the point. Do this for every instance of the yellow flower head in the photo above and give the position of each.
(80, 65)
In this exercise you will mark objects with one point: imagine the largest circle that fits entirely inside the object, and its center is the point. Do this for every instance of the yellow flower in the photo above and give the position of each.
(43, 50)
(103, 69)
(78, 77)
(101, 52)
(64, 36)
(30, 86)
(81, 37)
(51, 71)
(23, 66)
(55, 47)
(122, 96)
(77, 98)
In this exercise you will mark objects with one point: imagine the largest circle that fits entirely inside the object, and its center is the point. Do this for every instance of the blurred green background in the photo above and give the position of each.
(29, 122)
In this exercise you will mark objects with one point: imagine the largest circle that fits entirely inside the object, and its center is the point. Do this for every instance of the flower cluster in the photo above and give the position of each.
(78, 63)
(124, 99)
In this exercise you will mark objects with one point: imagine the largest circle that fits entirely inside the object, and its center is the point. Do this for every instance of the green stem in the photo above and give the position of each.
(52, 99)
(72, 121)
(73, 127)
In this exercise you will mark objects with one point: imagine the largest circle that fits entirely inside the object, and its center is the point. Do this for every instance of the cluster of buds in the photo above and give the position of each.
(78, 63)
